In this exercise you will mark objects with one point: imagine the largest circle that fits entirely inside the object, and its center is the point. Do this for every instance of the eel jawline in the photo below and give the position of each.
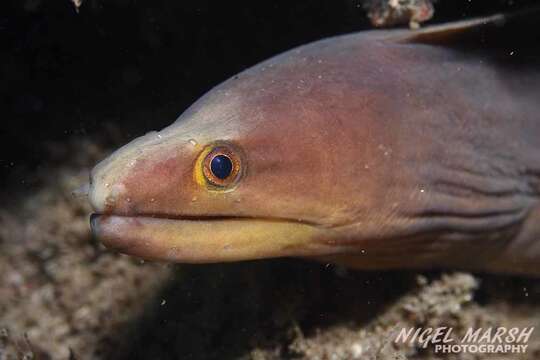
(206, 241)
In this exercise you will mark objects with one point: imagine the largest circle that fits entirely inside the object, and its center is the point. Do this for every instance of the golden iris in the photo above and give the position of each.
(221, 166)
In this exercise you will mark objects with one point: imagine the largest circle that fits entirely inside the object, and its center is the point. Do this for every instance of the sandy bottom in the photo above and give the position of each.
(63, 296)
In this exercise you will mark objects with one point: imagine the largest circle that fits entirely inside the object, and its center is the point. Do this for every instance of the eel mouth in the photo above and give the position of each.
(191, 239)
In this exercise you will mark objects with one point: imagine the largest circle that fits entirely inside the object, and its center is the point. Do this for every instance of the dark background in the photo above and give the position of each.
(139, 64)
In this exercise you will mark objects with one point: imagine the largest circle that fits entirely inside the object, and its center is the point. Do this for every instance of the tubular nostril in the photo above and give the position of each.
(104, 196)
(81, 191)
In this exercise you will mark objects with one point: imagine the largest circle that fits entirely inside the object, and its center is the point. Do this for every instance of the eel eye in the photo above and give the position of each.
(221, 166)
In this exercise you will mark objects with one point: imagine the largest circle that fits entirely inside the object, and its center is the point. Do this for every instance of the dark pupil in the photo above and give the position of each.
(221, 166)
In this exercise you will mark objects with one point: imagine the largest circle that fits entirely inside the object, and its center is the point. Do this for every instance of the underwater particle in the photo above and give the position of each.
(384, 13)
(356, 350)
(77, 4)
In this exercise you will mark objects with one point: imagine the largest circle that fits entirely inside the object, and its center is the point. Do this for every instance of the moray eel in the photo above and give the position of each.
(374, 150)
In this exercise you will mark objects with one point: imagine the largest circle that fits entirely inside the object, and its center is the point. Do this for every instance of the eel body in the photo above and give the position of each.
(375, 150)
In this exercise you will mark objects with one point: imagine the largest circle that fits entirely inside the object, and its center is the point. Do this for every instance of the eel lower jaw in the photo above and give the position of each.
(208, 240)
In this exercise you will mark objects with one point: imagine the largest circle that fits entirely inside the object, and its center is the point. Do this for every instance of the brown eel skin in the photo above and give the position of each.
(375, 150)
